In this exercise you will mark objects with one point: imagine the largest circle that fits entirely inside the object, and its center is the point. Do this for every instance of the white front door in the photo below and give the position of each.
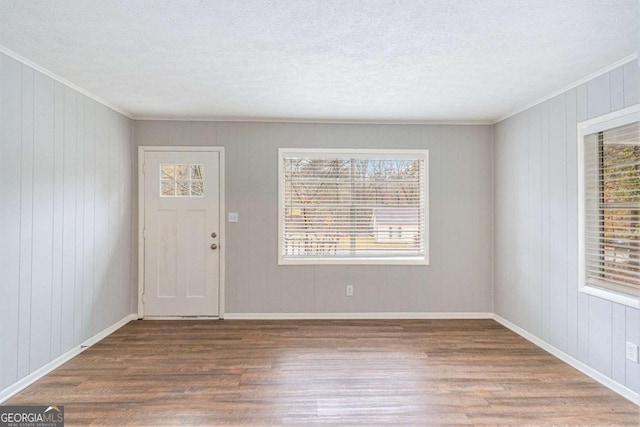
(181, 233)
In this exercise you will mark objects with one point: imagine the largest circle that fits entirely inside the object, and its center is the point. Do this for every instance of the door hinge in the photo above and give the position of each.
(143, 298)
(144, 233)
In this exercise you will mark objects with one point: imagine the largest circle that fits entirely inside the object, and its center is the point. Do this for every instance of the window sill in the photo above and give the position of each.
(613, 296)
(355, 261)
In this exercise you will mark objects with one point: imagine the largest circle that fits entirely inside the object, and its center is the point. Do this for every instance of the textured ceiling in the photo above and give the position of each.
(411, 60)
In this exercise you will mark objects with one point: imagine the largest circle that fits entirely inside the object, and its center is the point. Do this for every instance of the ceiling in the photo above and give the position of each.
(324, 60)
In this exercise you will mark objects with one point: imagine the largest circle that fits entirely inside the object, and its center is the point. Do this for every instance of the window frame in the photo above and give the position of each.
(328, 152)
(599, 124)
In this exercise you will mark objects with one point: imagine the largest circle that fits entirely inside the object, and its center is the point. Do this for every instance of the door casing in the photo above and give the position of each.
(221, 206)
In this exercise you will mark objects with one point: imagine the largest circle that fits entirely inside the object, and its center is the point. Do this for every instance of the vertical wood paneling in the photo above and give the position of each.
(121, 279)
(618, 325)
(534, 220)
(112, 218)
(101, 240)
(129, 178)
(58, 218)
(586, 327)
(68, 219)
(46, 188)
(26, 223)
(557, 222)
(632, 370)
(89, 219)
(600, 335)
(583, 299)
(631, 84)
(521, 244)
(504, 216)
(572, 224)
(79, 221)
(583, 328)
(544, 133)
(616, 82)
(598, 96)
(10, 140)
(43, 221)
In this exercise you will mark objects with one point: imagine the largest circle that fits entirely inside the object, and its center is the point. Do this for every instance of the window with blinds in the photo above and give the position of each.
(611, 206)
(353, 206)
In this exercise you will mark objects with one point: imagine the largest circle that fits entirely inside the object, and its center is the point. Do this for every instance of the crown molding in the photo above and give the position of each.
(141, 117)
(573, 85)
(64, 81)
(312, 121)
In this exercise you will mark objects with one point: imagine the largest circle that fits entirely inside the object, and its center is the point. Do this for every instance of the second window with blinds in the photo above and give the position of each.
(609, 206)
(353, 206)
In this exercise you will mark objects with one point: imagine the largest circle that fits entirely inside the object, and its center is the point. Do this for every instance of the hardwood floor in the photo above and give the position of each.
(396, 372)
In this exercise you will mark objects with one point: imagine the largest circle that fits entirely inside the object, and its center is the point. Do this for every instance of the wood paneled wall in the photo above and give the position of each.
(536, 231)
(65, 219)
(459, 278)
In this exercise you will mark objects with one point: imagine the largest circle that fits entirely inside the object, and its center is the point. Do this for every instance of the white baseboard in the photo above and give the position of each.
(357, 316)
(587, 370)
(179, 318)
(571, 361)
(62, 359)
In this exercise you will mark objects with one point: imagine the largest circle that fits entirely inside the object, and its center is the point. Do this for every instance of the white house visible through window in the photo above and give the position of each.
(353, 206)
(610, 205)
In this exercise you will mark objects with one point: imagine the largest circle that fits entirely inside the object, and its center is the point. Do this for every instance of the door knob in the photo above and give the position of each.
(214, 235)
(214, 246)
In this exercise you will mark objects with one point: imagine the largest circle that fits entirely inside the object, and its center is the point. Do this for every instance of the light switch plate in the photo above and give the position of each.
(632, 352)
(232, 217)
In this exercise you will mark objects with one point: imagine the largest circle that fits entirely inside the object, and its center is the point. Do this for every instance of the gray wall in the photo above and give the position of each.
(65, 219)
(536, 232)
(459, 278)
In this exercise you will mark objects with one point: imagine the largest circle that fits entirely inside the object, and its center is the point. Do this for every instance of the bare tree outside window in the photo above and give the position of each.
(333, 206)
(611, 203)
(620, 211)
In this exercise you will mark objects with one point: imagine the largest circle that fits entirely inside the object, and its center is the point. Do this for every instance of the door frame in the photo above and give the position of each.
(142, 150)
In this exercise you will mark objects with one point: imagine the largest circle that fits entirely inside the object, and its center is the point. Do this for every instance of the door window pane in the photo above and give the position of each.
(182, 172)
(181, 180)
(167, 172)
(168, 188)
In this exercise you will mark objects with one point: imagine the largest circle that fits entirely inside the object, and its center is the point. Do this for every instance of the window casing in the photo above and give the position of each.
(609, 206)
(339, 206)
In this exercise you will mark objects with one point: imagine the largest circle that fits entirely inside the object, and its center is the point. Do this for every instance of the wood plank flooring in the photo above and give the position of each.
(386, 372)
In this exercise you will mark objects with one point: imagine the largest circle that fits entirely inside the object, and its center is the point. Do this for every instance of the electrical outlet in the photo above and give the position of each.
(232, 217)
(349, 290)
(632, 352)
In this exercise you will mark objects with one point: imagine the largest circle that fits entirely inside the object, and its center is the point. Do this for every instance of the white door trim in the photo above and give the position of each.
(141, 249)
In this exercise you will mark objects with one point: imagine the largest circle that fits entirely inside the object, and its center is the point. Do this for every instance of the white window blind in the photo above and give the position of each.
(353, 206)
(612, 208)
